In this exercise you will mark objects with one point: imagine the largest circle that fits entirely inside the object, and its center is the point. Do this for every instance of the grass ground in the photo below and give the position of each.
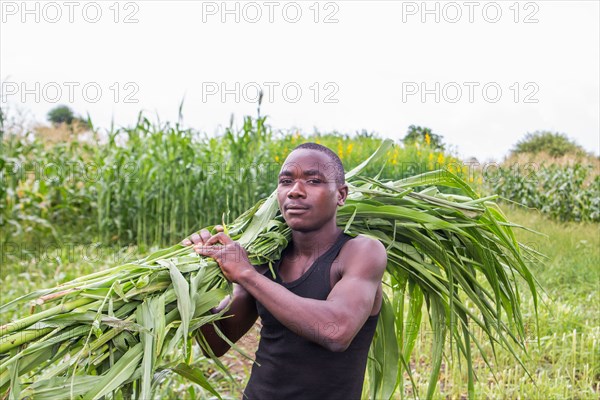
(564, 360)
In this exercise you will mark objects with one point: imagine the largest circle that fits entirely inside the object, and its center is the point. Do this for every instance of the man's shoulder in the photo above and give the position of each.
(365, 249)
(363, 242)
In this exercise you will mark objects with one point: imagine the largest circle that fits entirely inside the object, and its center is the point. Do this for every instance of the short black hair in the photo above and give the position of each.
(340, 176)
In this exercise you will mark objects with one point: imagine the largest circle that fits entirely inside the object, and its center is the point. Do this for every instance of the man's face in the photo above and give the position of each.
(307, 192)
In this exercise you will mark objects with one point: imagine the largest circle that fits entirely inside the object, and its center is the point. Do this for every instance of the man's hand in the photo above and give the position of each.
(231, 257)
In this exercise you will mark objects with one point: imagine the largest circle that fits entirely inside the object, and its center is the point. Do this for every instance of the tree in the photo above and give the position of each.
(61, 114)
(425, 136)
(555, 144)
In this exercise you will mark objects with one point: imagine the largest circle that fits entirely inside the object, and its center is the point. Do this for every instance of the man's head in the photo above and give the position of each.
(311, 186)
(335, 168)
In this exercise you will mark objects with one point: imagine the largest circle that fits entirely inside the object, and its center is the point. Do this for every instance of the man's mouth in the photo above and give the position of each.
(295, 208)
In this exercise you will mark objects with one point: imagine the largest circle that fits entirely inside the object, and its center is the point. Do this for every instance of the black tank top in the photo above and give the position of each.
(292, 367)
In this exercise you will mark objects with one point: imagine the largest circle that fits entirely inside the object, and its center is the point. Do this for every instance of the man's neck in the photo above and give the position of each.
(312, 244)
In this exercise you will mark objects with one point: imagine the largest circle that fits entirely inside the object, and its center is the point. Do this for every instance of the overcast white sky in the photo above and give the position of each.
(482, 75)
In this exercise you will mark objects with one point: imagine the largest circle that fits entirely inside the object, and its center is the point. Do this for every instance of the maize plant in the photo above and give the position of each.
(566, 193)
(118, 332)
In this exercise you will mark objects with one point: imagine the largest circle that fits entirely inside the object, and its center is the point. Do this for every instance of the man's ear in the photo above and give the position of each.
(342, 195)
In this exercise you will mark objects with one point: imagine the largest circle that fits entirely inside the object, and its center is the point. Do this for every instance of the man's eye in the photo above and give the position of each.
(285, 181)
(314, 181)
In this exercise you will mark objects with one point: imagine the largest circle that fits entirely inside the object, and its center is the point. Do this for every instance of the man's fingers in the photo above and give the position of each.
(204, 250)
(195, 238)
(206, 238)
(221, 254)
(205, 235)
(219, 238)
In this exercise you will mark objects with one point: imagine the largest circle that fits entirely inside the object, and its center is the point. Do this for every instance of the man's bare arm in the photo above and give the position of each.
(333, 322)
(242, 316)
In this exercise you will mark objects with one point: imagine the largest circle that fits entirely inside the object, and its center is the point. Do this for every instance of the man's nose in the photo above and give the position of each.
(297, 190)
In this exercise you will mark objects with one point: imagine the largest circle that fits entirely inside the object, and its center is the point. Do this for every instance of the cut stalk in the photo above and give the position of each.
(19, 338)
(32, 319)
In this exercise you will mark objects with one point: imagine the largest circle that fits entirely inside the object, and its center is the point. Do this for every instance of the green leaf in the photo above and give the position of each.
(118, 374)
(184, 302)
(15, 384)
(383, 381)
(158, 313)
(413, 320)
(438, 323)
(57, 388)
(196, 376)
(145, 317)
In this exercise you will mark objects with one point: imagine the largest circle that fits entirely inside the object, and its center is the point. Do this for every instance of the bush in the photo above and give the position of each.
(61, 114)
(422, 135)
(555, 144)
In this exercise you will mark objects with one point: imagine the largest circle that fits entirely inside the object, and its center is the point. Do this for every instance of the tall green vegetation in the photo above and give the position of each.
(167, 180)
(566, 193)
(552, 174)
(77, 193)
(456, 254)
(150, 182)
(45, 192)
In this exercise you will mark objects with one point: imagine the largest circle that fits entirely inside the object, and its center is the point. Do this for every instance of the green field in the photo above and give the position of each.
(564, 364)
(56, 227)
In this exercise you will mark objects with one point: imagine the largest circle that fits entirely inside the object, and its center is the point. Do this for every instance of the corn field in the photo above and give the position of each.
(567, 193)
(150, 185)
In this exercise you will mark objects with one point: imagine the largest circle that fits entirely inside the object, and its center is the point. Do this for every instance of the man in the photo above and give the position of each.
(320, 312)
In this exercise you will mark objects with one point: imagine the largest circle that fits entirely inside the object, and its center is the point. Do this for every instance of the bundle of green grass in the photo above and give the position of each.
(118, 332)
